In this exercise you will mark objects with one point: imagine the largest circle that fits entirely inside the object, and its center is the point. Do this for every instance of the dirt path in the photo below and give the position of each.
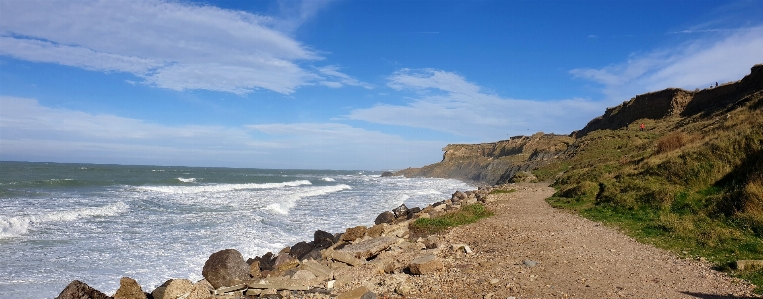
(576, 258)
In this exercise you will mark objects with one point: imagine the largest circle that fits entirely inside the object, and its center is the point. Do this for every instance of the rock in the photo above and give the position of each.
(225, 266)
(425, 265)
(284, 265)
(376, 230)
(80, 290)
(530, 263)
(369, 295)
(387, 174)
(462, 246)
(254, 269)
(369, 248)
(173, 288)
(322, 239)
(458, 196)
(201, 290)
(303, 275)
(266, 261)
(412, 212)
(129, 289)
(385, 217)
(282, 258)
(401, 211)
(315, 254)
(431, 242)
(403, 289)
(279, 283)
(357, 293)
(317, 269)
(343, 257)
(301, 249)
(351, 234)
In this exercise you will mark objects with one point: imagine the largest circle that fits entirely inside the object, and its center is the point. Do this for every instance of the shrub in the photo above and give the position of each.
(672, 141)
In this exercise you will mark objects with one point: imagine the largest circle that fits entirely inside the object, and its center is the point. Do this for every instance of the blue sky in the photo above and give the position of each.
(370, 85)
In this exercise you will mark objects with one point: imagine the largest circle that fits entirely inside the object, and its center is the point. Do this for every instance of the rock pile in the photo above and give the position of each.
(325, 267)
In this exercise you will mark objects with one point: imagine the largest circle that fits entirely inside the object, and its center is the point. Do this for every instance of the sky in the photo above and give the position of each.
(363, 85)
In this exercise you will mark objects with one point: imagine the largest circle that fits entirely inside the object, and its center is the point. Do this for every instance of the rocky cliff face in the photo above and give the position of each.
(498, 162)
(495, 162)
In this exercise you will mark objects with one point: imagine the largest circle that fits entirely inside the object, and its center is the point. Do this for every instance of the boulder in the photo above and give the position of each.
(385, 217)
(425, 265)
(129, 289)
(80, 290)
(458, 196)
(254, 269)
(370, 248)
(201, 290)
(401, 211)
(351, 234)
(224, 267)
(376, 230)
(387, 174)
(172, 289)
(303, 275)
(322, 239)
(301, 249)
(315, 255)
(412, 212)
(266, 261)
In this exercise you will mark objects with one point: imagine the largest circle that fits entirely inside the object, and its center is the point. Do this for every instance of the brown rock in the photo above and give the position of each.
(254, 269)
(425, 265)
(224, 267)
(80, 290)
(385, 217)
(322, 239)
(369, 248)
(201, 290)
(173, 288)
(376, 230)
(129, 289)
(301, 249)
(357, 293)
(351, 234)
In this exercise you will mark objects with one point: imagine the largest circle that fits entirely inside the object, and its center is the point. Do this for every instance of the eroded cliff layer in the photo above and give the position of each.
(495, 162)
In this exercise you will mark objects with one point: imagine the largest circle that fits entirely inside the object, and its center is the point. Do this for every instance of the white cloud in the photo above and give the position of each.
(460, 107)
(340, 78)
(32, 132)
(169, 44)
(697, 64)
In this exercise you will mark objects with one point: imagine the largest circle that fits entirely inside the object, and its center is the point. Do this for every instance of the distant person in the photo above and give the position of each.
(641, 127)
(716, 84)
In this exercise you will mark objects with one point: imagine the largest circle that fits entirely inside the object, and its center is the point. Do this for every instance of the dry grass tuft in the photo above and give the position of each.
(672, 141)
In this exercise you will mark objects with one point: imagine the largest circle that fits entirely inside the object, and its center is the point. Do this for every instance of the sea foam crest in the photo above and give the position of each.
(327, 179)
(187, 180)
(288, 201)
(19, 225)
(222, 187)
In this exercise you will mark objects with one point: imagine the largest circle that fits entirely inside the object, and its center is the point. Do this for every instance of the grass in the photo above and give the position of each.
(503, 191)
(690, 185)
(467, 214)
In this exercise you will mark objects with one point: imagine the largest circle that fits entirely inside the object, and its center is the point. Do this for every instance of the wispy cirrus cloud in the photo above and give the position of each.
(169, 44)
(447, 102)
(696, 64)
(34, 132)
(338, 79)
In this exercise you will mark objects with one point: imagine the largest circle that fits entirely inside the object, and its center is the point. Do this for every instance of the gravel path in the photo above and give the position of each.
(574, 258)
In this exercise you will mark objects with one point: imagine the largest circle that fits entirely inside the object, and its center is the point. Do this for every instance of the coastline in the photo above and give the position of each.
(527, 250)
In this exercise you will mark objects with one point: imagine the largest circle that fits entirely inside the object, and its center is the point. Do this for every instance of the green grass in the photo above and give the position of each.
(467, 214)
(502, 191)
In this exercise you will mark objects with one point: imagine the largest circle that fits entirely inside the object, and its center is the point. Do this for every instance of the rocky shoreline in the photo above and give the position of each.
(326, 267)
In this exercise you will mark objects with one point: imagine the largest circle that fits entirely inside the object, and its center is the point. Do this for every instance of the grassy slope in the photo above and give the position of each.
(690, 185)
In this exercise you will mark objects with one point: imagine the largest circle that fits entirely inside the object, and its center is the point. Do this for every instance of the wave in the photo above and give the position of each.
(19, 225)
(288, 202)
(221, 187)
(188, 180)
(327, 179)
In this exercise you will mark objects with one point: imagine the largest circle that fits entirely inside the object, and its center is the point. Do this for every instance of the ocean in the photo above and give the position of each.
(98, 223)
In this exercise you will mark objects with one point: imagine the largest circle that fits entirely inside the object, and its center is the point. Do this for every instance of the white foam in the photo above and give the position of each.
(222, 187)
(289, 201)
(188, 180)
(327, 179)
(19, 225)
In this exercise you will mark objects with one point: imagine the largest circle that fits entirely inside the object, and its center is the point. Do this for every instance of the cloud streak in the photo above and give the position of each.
(168, 44)
(696, 64)
(447, 102)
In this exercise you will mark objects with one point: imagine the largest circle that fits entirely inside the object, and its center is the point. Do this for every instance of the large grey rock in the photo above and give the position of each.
(401, 211)
(369, 248)
(300, 249)
(266, 261)
(224, 267)
(412, 212)
(385, 217)
(129, 289)
(80, 290)
(458, 196)
(387, 174)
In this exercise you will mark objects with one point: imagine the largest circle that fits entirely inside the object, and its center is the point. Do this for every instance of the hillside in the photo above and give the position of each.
(691, 182)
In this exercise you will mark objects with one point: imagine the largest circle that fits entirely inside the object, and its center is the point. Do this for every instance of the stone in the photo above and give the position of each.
(303, 275)
(462, 246)
(748, 264)
(279, 283)
(387, 174)
(230, 289)
(376, 230)
(369, 248)
(315, 255)
(401, 211)
(224, 267)
(403, 289)
(254, 269)
(343, 257)
(458, 196)
(425, 265)
(284, 267)
(80, 290)
(469, 201)
(300, 249)
(385, 217)
(282, 258)
(201, 290)
(330, 284)
(322, 239)
(173, 288)
(354, 233)
(356, 293)
(317, 269)
(266, 261)
(530, 263)
(412, 212)
(369, 295)
(129, 289)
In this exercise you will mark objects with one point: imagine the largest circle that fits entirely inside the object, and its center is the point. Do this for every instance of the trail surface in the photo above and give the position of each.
(576, 258)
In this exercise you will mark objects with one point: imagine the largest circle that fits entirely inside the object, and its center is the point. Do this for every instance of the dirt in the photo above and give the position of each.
(531, 250)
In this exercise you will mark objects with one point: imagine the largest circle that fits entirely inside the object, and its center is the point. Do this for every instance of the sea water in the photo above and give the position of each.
(98, 223)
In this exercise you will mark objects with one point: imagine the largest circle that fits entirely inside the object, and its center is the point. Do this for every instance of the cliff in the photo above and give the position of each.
(498, 162)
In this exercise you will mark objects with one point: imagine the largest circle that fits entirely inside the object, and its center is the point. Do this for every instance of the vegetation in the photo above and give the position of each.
(503, 191)
(467, 214)
(691, 185)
